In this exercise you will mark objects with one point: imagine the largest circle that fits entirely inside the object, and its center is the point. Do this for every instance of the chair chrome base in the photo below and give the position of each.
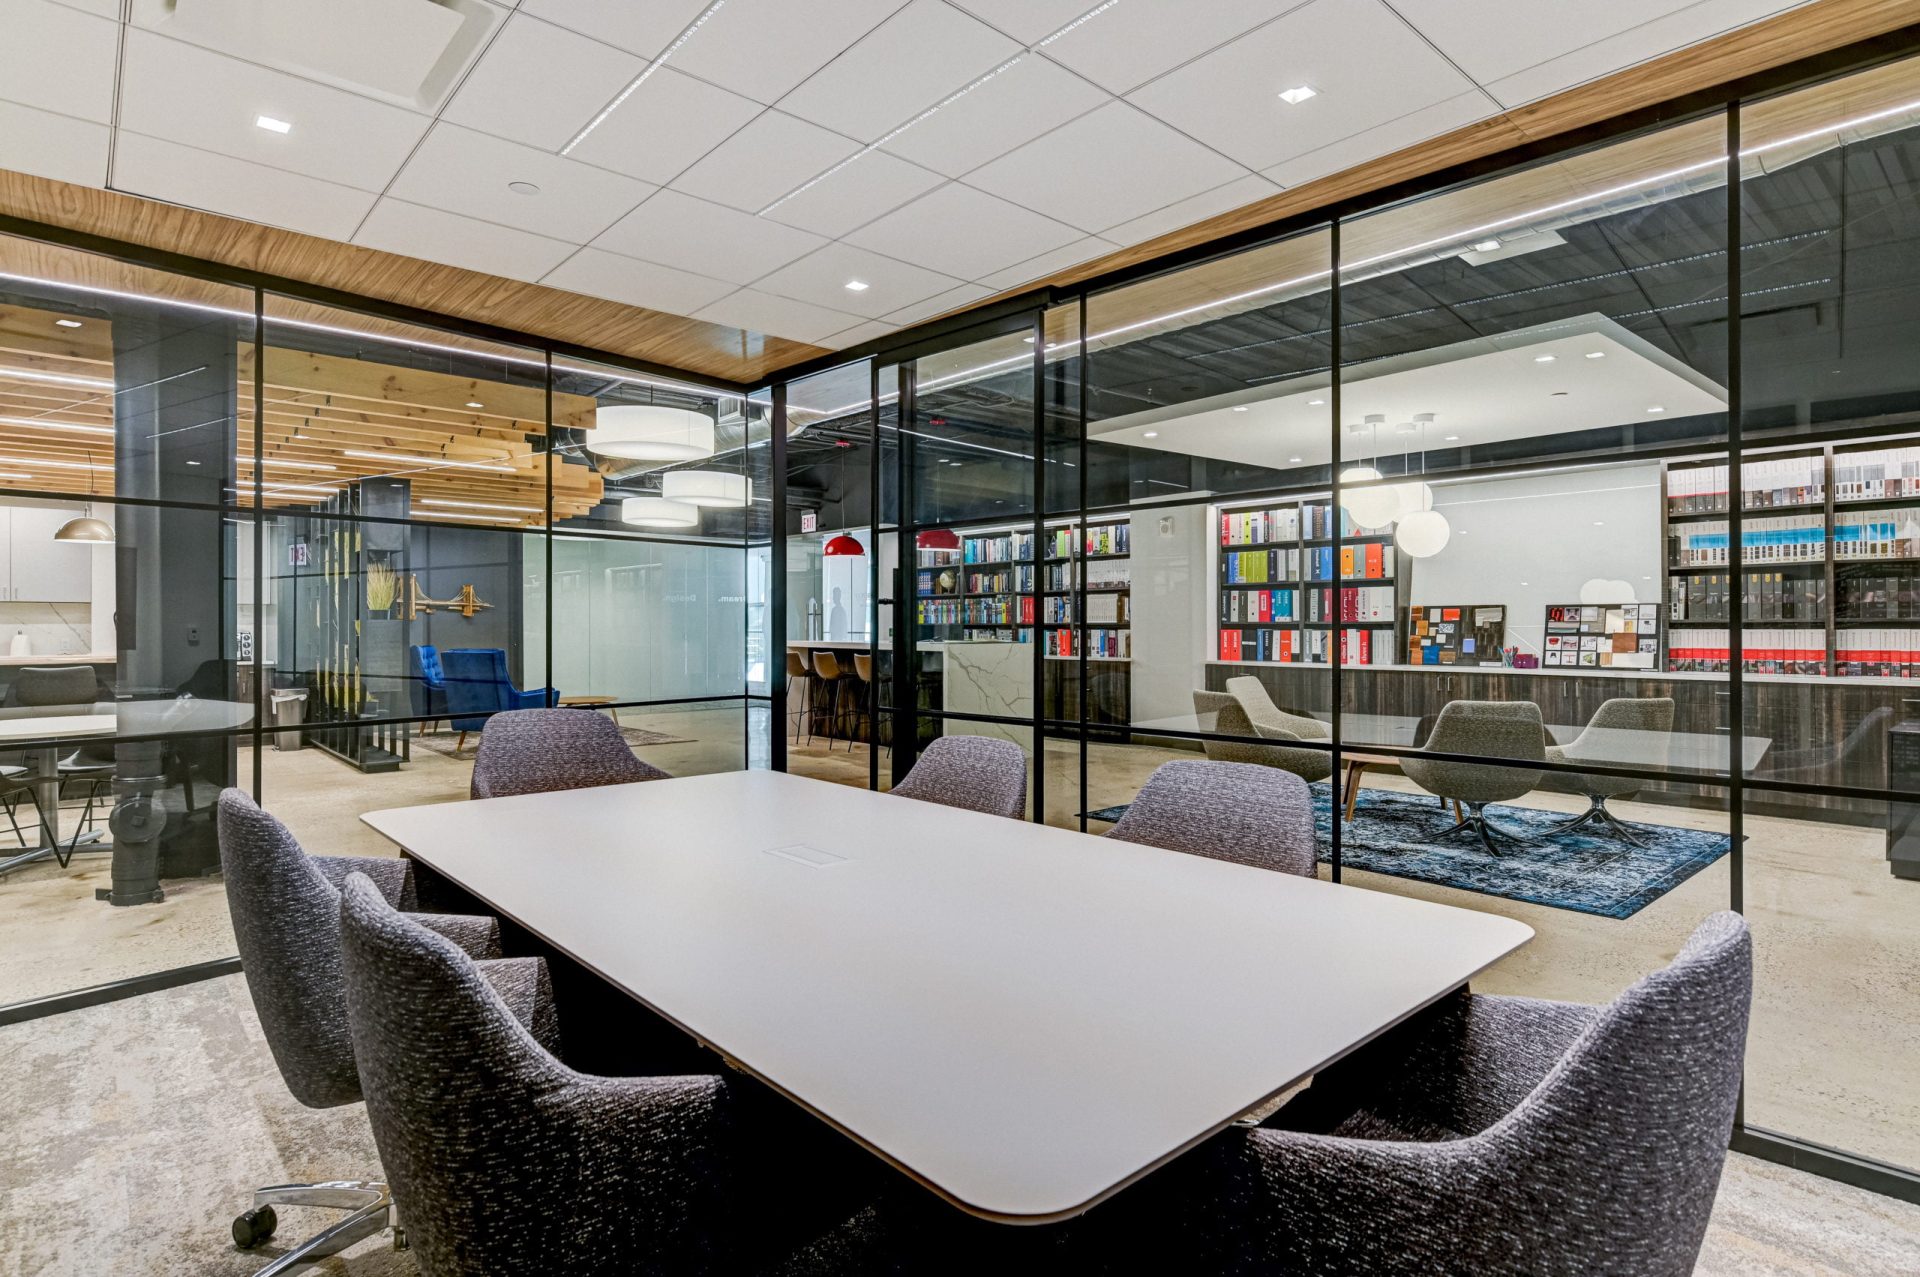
(1476, 820)
(369, 1208)
(1598, 814)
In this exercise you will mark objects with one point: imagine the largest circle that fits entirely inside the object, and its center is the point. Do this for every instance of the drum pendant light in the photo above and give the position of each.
(715, 488)
(651, 432)
(658, 512)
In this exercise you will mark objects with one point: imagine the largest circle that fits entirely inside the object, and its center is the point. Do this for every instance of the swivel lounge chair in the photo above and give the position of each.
(1244, 709)
(977, 773)
(505, 1161)
(539, 751)
(1650, 721)
(1226, 811)
(286, 921)
(1506, 730)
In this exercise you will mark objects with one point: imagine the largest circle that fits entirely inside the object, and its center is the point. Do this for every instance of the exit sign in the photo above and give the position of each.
(809, 520)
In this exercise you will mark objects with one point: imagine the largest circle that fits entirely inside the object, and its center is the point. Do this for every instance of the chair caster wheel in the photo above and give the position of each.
(250, 1228)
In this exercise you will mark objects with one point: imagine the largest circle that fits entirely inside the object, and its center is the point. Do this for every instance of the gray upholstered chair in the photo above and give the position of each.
(1507, 730)
(1496, 1135)
(539, 751)
(286, 920)
(978, 773)
(1227, 811)
(505, 1161)
(1233, 717)
(1651, 719)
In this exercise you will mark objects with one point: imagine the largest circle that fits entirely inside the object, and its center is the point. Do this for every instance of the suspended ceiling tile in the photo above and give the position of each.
(861, 332)
(472, 174)
(855, 195)
(1383, 139)
(821, 278)
(56, 146)
(938, 304)
(666, 124)
(1028, 21)
(185, 94)
(1195, 208)
(706, 239)
(1367, 66)
(1491, 39)
(539, 84)
(771, 156)
(908, 63)
(1136, 40)
(778, 316)
(58, 59)
(642, 28)
(218, 183)
(1066, 255)
(598, 273)
(98, 8)
(438, 236)
(963, 232)
(764, 48)
(1649, 40)
(1017, 105)
(1088, 173)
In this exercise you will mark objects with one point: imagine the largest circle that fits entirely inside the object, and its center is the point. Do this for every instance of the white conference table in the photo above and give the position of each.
(1024, 1019)
(1607, 746)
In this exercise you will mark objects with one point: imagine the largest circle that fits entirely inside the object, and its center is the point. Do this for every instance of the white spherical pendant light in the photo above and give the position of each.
(707, 487)
(658, 512)
(1423, 533)
(1355, 474)
(651, 432)
(1414, 496)
(1374, 506)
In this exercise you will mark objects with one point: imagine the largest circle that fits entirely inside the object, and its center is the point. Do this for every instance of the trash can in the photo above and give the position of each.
(289, 711)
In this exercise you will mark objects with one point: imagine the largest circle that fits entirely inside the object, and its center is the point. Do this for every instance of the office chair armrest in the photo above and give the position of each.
(478, 935)
(533, 698)
(392, 876)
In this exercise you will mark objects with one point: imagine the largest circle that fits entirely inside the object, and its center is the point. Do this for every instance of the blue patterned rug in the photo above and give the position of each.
(1399, 834)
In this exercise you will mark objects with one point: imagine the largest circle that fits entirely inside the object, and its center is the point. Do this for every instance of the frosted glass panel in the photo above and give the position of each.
(648, 620)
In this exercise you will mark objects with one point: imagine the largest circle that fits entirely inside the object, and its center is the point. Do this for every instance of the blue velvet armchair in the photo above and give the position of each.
(477, 685)
(426, 684)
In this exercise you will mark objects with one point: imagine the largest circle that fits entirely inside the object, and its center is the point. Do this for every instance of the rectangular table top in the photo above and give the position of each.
(1023, 1018)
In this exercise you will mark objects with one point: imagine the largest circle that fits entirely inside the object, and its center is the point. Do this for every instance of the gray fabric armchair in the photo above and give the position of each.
(1494, 1136)
(1651, 721)
(504, 1161)
(1245, 709)
(1506, 730)
(541, 751)
(977, 773)
(285, 906)
(1226, 811)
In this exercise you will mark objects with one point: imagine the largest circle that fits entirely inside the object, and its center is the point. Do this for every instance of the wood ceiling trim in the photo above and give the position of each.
(693, 346)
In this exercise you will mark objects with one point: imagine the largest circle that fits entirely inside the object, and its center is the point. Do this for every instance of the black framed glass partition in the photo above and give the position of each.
(1434, 500)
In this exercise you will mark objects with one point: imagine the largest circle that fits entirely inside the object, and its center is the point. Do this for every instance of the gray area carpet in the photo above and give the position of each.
(132, 1133)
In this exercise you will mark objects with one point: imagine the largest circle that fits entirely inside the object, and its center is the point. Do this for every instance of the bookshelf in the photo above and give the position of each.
(1831, 579)
(992, 590)
(1284, 587)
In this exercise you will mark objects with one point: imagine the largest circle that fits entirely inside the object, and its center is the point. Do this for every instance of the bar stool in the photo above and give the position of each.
(827, 668)
(797, 669)
(863, 674)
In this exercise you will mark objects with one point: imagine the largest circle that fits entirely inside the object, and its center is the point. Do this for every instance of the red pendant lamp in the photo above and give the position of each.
(842, 546)
(938, 539)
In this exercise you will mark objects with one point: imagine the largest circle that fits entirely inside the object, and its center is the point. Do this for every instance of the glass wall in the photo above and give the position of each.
(226, 513)
(1432, 508)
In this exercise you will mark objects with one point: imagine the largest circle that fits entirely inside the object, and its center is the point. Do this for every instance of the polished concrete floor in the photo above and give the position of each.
(137, 1129)
(1837, 1006)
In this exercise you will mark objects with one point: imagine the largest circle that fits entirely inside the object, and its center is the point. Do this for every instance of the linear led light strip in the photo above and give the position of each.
(280, 461)
(45, 424)
(479, 505)
(38, 462)
(430, 463)
(641, 79)
(59, 379)
(942, 104)
(310, 325)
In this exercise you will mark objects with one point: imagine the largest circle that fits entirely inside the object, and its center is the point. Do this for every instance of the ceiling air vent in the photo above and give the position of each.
(407, 52)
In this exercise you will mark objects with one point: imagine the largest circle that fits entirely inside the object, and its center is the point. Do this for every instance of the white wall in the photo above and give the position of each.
(1532, 540)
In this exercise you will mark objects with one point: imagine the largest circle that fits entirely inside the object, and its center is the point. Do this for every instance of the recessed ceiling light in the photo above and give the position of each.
(66, 323)
(1028, 340)
(272, 125)
(1599, 523)
(1151, 434)
(1294, 97)
(193, 463)
(1240, 408)
(523, 188)
(1293, 461)
(1656, 408)
(1543, 359)
(1526, 583)
(1596, 354)
(475, 403)
(1453, 438)
(1486, 246)
(857, 285)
